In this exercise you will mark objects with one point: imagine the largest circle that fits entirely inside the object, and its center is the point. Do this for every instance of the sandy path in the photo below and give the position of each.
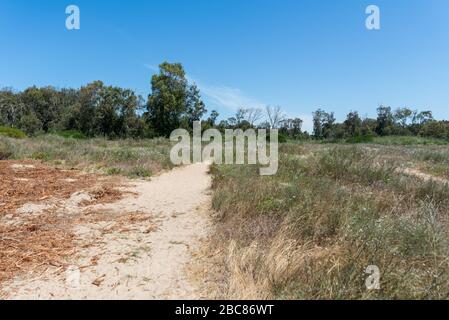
(423, 176)
(138, 264)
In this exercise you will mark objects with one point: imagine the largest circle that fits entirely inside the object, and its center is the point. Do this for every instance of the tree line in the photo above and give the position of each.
(100, 110)
(389, 122)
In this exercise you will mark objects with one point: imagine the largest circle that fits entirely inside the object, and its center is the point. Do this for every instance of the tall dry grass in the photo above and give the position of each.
(133, 158)
(311, 231)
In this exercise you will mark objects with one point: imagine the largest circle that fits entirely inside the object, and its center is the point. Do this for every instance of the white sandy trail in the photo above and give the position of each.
(137, 264)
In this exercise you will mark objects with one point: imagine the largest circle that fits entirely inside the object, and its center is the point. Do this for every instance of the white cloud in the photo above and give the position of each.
(221, 96)
(151, 67)
(230, 98)
(233, 98)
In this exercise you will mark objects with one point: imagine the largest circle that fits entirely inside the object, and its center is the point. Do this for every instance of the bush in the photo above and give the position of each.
(6, 150)
(72, 134)
(31, 124)
(360, 139)
(140, 172)
(114, 171)
(435, 129)
(12, 133)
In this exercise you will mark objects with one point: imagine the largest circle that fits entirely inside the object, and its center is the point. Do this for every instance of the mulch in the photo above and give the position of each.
(39, 242)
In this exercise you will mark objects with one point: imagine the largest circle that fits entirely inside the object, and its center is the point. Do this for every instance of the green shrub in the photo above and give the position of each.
(140, 172)
(6, 150)
(41, 155)
(12, 133)
(360, 139)
(408, 141)
(114, 171)
(31, 124)
(72, 134)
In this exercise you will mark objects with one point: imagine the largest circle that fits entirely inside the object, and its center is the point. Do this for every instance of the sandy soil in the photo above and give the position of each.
(424, 176)
(147, 257)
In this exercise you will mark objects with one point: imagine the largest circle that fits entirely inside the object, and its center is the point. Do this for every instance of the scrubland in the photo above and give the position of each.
(311, 230)
(133, 158)
(332, 210)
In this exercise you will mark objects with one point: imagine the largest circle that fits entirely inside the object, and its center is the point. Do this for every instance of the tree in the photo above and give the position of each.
(353, 124)
(172, 101)
(253, 115)
(84, 116)
(369, 127)
(275, 116)
(422, 117)
(213, 118)
(46, 104)
(240, 116)
(402, 115)
(323, 124)
(30, 123)
(167, 101)
(292, 127)
(11, 108)
(384, 120)
(195, 108)
(435, 129)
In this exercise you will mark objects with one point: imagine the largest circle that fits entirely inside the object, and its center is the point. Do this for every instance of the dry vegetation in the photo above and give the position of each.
(310, 231)
(49, 185)
(41, 236)
(132, 158)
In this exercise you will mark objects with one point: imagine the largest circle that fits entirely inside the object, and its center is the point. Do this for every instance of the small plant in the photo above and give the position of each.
(114, 171)
(6, 150)
(41, 155)
(360, 139)
(12, 133)
(140, 172)
(72, 134)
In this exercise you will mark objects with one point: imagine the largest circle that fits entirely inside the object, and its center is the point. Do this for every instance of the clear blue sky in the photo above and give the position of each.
(300, 54)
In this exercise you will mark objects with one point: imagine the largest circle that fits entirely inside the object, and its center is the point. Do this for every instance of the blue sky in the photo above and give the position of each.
(299, 54)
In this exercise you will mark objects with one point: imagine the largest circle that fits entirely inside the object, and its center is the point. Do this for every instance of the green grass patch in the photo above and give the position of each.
(72, 134)
(12, 133)
(408, 140)
(140, 172)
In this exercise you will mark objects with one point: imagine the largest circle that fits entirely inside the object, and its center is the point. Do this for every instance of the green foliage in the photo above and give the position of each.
(435, 129)
(71, 134)
(173, 102)
(6, 150)
(360, 139)
(136, 158)
(323, 125)
(140, 172)
(114, 171)
(12, 133)
(408, 140)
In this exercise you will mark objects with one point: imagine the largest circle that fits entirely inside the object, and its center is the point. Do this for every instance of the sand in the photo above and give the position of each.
(148, 258)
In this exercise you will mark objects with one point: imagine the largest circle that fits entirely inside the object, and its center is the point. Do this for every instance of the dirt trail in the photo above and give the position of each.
(148, 261)
(424, 176)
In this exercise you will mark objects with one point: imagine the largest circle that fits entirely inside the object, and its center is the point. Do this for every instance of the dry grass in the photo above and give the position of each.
(30, 181)
(34, 245)
(131, 158)
(310, 231)
(33, 242)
